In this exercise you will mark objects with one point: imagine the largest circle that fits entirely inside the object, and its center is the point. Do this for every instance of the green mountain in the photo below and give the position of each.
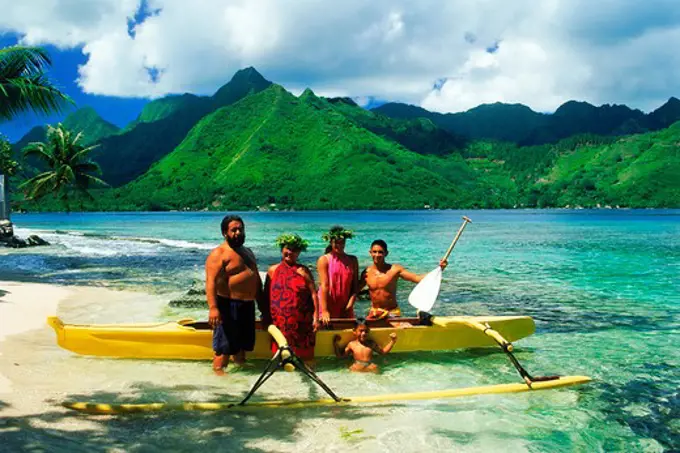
(36, 134)
(634, 171)
(163, 124)
(273, 150)
(85, 120)
(420, 135)
(267, 149)
(573, 118)
(244, 82)
(88, 121)
(505, 122)
(272, 147)
(665, 115)
(519, 124)
(125, 156)
(589, 170)
(159, 109)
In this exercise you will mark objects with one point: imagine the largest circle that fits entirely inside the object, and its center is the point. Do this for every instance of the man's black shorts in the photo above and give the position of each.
(236, 333)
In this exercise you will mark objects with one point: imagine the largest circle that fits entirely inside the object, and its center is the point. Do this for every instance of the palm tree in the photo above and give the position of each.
(24, 85)
(69, 166)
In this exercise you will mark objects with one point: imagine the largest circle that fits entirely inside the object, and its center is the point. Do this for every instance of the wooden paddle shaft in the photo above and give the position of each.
(466, 220)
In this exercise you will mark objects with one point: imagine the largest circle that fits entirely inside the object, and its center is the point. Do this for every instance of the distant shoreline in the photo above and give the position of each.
(183, 211)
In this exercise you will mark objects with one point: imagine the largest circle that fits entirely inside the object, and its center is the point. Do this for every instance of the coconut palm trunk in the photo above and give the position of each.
(24, 87)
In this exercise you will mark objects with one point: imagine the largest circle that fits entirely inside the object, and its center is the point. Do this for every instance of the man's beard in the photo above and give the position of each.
(236, 242)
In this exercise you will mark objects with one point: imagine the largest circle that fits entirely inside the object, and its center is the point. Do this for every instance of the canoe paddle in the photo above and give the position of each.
(424, 295)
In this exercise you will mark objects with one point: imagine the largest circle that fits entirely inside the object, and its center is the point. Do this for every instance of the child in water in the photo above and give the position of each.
(362, 348)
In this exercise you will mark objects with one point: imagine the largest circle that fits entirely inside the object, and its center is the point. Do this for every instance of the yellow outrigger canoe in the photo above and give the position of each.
(189, 339)
(285, 357)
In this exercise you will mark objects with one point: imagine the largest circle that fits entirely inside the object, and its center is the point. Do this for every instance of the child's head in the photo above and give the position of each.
(361, 329)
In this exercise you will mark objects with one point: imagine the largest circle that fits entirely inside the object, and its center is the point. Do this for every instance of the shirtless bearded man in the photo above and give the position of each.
(232, 286)
(381, 279)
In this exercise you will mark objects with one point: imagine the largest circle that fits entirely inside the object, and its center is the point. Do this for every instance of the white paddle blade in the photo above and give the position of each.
(424, 295)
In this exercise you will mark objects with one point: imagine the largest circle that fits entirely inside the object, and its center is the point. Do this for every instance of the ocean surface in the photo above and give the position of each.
(603, 287)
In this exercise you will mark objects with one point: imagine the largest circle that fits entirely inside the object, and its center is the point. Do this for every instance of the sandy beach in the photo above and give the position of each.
(36, 375)
(23, 308)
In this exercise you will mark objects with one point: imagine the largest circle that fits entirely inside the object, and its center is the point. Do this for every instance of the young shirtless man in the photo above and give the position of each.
(362, 348)
(232, 285)
(382, 278)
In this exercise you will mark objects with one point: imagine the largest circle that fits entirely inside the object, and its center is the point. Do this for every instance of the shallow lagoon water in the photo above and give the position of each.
(603, 287)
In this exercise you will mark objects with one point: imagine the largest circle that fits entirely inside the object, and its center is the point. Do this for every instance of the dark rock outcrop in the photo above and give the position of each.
(8, 239)
(34, 240)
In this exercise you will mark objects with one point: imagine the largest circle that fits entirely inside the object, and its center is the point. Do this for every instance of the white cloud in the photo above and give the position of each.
(609, 51)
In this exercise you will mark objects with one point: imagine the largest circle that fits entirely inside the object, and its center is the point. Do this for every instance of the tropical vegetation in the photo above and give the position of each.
(70, 172)
(9, 166)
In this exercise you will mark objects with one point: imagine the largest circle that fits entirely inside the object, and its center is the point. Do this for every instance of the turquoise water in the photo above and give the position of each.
(603, 287)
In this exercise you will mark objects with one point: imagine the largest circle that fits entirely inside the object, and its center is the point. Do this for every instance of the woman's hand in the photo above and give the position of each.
(325, 317)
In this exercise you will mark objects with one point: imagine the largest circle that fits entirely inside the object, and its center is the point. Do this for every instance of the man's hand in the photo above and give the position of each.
(393, 336)
(214, 318)
(443, 264)
(349, 305)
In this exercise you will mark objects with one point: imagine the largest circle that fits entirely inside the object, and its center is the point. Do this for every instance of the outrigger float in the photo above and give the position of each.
(285, 358)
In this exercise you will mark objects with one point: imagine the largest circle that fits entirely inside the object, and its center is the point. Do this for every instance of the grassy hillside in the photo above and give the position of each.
(163, 125)
(274, 148)
(589, 170)
(634, 171)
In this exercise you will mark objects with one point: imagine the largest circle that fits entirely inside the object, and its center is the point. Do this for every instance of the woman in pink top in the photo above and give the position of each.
(338, 277)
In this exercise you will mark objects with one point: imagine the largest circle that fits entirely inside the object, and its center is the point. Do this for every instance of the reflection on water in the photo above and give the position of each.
(602, 286)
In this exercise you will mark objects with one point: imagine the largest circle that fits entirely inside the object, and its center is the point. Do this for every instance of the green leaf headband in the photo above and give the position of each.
(292, 241)
(337, 232)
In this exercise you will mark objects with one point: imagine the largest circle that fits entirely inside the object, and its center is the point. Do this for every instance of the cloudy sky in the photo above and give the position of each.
(445, 55)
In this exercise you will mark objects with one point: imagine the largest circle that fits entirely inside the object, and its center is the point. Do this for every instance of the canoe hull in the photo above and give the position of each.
(191, 340)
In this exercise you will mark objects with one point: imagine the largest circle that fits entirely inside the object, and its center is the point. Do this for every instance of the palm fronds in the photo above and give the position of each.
(69, 167)
(24, 85)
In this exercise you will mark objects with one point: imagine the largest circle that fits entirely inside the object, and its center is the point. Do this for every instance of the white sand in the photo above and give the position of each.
(24, 307)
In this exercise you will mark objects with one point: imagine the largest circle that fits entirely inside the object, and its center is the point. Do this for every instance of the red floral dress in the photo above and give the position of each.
(292, 309)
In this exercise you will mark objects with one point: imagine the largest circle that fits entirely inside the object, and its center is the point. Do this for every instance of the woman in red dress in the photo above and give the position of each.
(292, 298)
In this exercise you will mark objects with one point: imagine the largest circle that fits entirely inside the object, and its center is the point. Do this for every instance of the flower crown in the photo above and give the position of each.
(292, 241)
(337, 232)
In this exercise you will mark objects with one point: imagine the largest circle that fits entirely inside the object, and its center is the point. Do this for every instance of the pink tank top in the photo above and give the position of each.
(340, 279)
